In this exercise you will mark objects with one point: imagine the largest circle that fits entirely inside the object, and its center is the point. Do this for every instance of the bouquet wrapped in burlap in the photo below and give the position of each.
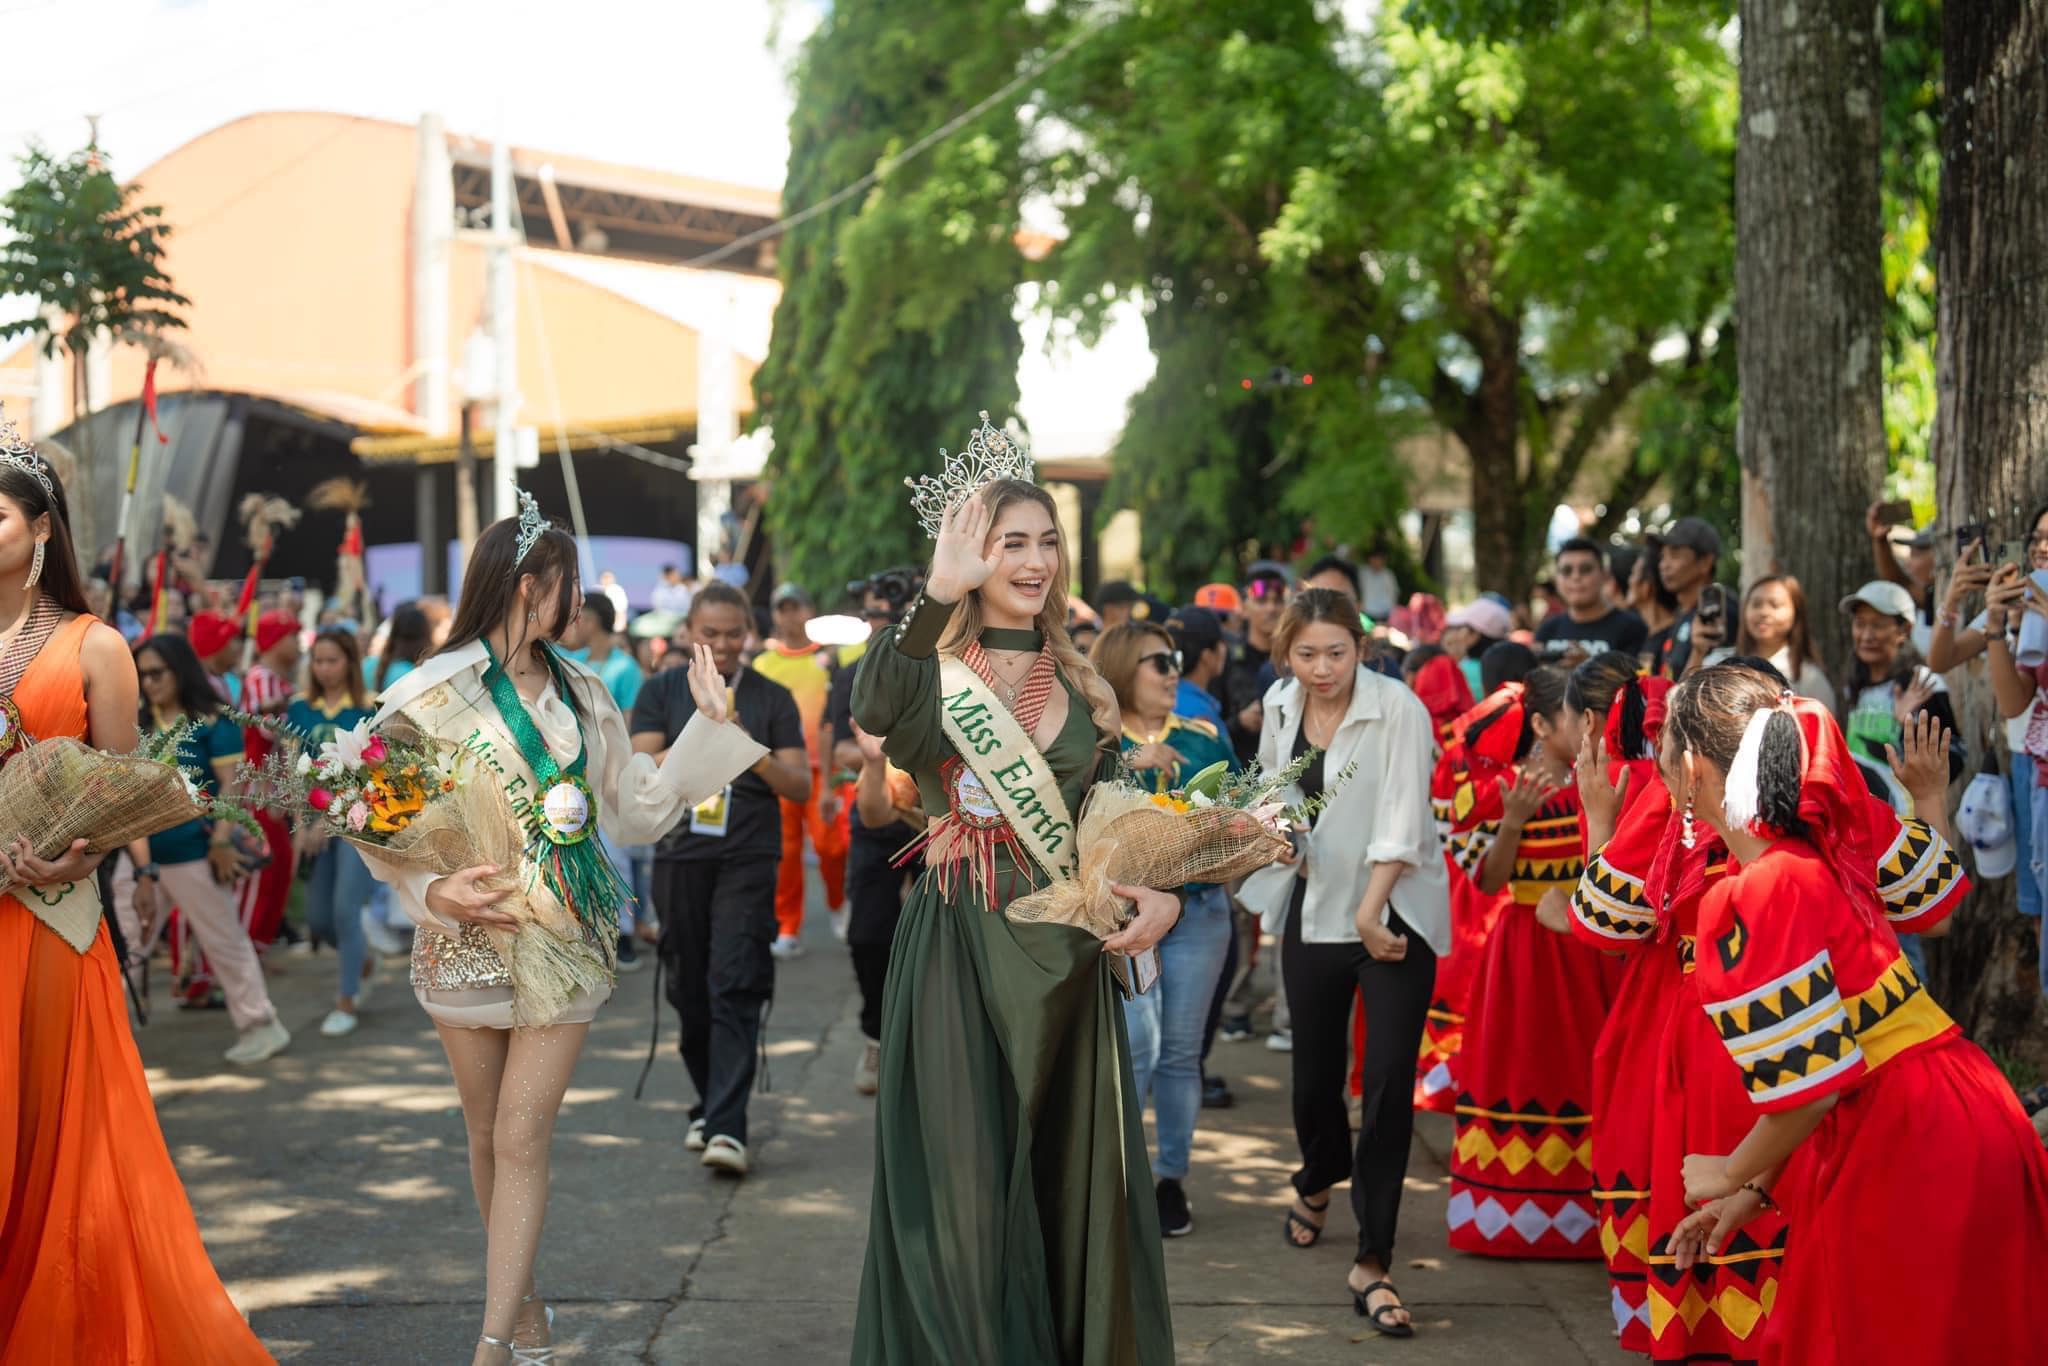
(1144, 839)
(58, 791)
(549, 957)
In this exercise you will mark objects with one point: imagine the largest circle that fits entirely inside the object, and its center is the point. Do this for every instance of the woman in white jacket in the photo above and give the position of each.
(1367, 911)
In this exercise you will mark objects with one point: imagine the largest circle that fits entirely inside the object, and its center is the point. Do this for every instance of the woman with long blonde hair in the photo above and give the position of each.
(1009, 1224)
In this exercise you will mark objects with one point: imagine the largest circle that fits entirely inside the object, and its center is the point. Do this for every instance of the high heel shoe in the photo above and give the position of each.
(542, 1353)
(521, 1356)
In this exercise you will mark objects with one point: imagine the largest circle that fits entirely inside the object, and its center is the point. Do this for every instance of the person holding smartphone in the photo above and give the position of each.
(1686, 565)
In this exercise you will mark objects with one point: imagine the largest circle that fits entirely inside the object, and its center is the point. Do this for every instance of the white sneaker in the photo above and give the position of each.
(725, 1154)
(693, 1141)
(380, 936)
(867, 1073)
(787, 946)
(339, 1023)
(259, 1042)
(839, 924)
(1281, 1041)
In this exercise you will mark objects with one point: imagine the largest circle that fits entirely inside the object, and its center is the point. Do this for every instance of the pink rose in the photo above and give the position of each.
(319, 799)
(374, 752)
(358, 816)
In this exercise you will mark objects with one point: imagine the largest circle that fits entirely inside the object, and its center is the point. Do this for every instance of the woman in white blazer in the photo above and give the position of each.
(1367, 910)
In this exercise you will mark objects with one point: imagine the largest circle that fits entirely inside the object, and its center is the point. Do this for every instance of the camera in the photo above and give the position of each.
(896, 587)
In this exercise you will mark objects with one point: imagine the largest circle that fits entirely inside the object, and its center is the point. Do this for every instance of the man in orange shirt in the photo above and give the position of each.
(804, 668)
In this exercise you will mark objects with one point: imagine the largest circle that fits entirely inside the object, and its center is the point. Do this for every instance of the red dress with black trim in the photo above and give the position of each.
(1473, 914)
(1920, 1208)
(1608, 913)
(1521, 1169)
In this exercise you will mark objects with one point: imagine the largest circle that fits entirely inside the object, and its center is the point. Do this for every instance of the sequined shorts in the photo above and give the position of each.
(461, 982)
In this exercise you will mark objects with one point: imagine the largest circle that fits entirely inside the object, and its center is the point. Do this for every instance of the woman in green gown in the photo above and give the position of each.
(1013, 1222)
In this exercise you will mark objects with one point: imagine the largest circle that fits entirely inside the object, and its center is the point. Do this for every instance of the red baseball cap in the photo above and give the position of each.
(1219, 597)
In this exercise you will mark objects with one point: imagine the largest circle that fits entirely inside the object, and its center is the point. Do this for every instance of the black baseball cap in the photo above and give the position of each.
(1690, 533)
(1116, 593)
(1194, 631)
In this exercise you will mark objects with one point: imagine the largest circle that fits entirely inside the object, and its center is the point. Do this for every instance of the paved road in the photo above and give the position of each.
(331, 1188)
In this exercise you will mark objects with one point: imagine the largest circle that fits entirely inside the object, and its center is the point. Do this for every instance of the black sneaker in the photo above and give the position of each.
(629, 954)
(1216, 1093)
(1175, 1218)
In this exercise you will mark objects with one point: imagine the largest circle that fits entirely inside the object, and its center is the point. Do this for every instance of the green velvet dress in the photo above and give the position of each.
(1013, 1221)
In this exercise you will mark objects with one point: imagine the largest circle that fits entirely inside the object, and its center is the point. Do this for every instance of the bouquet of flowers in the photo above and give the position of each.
(62, 790)
(411, 803)
(1215, 827)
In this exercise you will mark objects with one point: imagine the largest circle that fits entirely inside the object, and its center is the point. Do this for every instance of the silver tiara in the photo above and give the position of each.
(18, 451)
(991, 454)
(531, 525)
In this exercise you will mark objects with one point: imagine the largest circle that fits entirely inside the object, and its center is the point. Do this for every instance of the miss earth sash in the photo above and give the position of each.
(1000, 790)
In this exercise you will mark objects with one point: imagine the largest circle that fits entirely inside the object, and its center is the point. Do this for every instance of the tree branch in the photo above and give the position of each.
(1595, 416)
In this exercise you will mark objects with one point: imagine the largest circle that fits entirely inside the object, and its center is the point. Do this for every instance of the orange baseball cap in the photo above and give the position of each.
(1218, 597)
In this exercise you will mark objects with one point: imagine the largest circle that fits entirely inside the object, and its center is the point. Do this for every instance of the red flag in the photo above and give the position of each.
(149, 401)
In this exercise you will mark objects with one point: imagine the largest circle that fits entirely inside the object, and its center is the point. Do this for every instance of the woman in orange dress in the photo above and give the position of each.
(100, 1260)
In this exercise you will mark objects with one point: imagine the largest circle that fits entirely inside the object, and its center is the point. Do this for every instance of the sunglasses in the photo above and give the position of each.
(1167, 662)
(1576, 569)
(1265, 588)
(151, 675)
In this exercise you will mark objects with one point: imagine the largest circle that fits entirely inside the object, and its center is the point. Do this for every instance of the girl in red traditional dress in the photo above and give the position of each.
(1616, 715)
(1710, 1311)
(100, 1260)
(1850, 1065)
(1521, 1171)
(1473, 912)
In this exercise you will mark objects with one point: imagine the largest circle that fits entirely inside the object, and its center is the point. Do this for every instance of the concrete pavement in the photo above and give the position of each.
(331, 1186)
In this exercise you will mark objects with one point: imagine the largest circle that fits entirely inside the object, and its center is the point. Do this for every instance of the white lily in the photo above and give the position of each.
(345, 750)
(304, 767)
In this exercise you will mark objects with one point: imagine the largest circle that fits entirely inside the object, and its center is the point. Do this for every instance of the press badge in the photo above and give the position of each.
(712, 815)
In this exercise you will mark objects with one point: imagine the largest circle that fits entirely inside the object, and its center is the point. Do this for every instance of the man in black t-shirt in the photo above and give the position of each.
(1243, 695)
(1588, 625)
(714, 877)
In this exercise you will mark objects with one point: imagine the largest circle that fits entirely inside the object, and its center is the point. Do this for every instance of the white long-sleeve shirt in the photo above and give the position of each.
(1381, 814)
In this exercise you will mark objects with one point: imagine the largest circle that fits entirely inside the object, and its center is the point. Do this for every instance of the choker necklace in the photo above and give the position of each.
(1001, 638)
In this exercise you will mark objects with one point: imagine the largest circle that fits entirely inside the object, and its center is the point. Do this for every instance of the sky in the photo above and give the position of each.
(698, 87)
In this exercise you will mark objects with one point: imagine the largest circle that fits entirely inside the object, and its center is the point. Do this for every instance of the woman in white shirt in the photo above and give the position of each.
(1367, 911)
(547, 728)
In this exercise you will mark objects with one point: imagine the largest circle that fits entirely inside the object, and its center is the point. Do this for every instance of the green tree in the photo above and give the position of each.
(1504, 242)
(897, 319)
(90, 253)
(1182, 128)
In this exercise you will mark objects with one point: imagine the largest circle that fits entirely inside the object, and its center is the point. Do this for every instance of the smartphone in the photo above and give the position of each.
(1899, 513)
(1715, 605)
(1970, 533)
(2012, 552)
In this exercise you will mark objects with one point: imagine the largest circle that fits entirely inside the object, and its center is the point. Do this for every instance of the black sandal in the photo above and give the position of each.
(1392, 1330)
(1295, 1221)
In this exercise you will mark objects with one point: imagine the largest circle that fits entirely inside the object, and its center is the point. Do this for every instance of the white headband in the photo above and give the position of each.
(1741, 800)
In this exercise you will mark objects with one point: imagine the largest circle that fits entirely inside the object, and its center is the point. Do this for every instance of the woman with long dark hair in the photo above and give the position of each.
(1526, 1069)
(1775, 628)
(546, 728)
(1367, 914)
(1009, 1224)
(100, 1259)
(407, 641)
(338, 888)
(195, 866)
(1848, 1063)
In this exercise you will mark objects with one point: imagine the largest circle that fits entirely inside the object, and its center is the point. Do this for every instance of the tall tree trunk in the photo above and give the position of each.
(1991, 424)
(1809, 285)
(1491, 434)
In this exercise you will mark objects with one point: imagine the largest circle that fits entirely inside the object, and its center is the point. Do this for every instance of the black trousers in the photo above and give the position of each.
(874, 894)
(717, 921)
(1319, 980)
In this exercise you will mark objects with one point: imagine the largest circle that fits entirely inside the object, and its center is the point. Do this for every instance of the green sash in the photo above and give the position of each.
(573, 865)
(1013, 776)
